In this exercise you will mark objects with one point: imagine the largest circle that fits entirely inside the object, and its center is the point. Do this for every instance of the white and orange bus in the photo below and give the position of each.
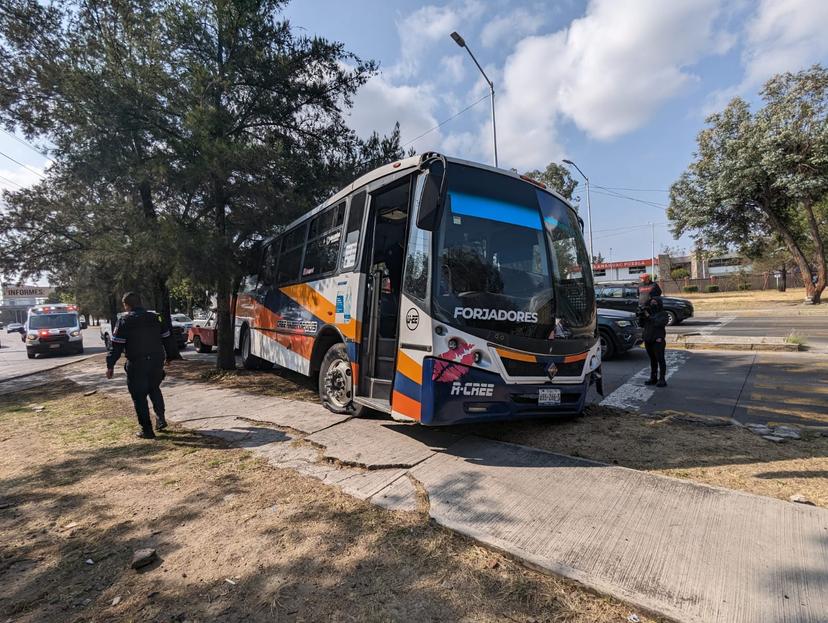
(434, 289)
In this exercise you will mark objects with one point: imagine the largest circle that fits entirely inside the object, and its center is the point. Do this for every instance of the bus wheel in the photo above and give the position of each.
(336, 383)
(250, 362)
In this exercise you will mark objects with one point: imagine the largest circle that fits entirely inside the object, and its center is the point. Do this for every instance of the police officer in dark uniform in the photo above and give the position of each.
(143, 335)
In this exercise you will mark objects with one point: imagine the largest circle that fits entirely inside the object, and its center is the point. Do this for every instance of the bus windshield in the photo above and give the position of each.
(53, 321)
(511, 259)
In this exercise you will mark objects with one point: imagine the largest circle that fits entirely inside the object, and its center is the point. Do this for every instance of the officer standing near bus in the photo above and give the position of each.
(142, 335)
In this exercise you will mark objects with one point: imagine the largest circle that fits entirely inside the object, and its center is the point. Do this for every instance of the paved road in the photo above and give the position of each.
(755, 387)
(14, 362)
(813, 328)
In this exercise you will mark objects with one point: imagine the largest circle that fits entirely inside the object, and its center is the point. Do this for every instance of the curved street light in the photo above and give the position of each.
(589, 205)
(462, 43)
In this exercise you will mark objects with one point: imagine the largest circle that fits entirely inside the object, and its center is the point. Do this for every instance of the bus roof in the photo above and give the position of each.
(406, 164)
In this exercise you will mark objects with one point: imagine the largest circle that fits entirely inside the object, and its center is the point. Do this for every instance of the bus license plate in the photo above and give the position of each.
(548, 396)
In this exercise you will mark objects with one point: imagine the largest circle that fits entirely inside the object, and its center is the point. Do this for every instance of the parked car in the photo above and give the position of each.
(624, 296)
(619, 331)
(178, 332)
(15, 327)
(203, 336)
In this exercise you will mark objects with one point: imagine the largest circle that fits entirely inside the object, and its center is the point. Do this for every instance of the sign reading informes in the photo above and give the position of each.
(26, 292)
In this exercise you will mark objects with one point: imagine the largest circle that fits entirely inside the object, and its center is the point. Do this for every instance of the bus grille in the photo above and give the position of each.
(538, 368)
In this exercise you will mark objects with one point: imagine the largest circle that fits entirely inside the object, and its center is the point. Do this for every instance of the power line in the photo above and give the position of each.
(442, 123)
(640, 190)
(7, 180)
(630, 227)
(616, 195)
(24, 142)
(22, 165)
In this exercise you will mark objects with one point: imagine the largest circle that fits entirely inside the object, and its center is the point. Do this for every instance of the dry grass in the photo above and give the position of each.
(694, 448)
(237, 539)
(750, 299)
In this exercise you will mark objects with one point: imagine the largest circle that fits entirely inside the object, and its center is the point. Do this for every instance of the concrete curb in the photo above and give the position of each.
(810, 310)
(731, 342)
(45, 370)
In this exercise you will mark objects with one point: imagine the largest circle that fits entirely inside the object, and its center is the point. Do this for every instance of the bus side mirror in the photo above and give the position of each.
(432, 197)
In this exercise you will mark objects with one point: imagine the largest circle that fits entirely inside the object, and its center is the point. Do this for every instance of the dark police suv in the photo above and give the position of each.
(624, 296)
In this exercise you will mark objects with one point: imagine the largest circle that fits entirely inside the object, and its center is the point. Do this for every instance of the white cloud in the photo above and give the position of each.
(454, 67)
(608, 72)
(20, 177)
(785, 35)
(505, 29)
(427, 25)
(379, 105)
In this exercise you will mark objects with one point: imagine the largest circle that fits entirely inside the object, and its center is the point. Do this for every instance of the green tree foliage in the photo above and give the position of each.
(762, 175)
(557, 177)
(200, 125)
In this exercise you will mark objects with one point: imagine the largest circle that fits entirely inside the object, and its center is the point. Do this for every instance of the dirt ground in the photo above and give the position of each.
(751, 299)
(237, 540)
(674, 445)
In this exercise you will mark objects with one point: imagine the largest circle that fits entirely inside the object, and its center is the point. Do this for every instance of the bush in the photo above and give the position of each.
(712, 288)
(679, 273)
(744, 286)
(690, 289)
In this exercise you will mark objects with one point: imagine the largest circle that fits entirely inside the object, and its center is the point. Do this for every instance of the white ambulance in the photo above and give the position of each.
(53, 329)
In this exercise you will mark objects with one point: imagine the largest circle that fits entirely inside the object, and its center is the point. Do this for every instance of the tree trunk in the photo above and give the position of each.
(795, 251)
(166, 314)
(113, 311)
(819, 247)
(226, 359)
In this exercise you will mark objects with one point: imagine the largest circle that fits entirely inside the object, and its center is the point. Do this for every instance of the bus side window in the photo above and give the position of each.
(350, 250)
(324, 237)
(290, 259)
(417, 263)
(270, 263)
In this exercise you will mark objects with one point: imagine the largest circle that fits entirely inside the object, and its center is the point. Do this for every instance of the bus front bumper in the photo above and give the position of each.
(468, 394)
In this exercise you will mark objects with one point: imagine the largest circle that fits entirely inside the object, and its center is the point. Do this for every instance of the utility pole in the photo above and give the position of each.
(652, 256)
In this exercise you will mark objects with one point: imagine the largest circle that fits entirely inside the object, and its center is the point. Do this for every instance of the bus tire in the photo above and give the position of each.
(336, 387)
(250, 361)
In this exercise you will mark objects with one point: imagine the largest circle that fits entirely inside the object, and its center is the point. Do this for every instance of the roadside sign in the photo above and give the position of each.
(26, 292)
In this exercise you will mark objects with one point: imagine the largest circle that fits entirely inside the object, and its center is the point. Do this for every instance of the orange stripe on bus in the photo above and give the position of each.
(405, 405)
(311, 300)
(409, 368)
(510, 354)
(574, 358)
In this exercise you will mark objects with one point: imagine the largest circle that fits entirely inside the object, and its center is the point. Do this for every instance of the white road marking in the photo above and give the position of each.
(632, 395)
(722, 322)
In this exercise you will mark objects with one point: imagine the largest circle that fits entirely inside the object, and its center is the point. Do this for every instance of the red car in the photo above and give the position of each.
(204, 337)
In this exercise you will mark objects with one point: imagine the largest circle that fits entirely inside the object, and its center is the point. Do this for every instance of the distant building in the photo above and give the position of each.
(16, 300)
(697, 267)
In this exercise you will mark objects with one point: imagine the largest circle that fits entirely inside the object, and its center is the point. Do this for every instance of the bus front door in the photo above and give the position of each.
(389, 219)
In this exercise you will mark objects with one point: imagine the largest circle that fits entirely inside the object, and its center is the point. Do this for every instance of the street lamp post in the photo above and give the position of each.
(589, 205)
(462, 43)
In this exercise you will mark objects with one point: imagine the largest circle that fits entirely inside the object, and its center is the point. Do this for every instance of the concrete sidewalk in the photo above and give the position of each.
(687, 551)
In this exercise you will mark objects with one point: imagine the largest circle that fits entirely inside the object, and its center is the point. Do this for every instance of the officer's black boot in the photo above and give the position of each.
(661, 382)
(142, 434)
(160, 422)
(651, 381)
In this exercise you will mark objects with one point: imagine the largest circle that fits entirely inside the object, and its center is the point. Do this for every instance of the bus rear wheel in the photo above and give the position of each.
(250, 361)
(336, 381)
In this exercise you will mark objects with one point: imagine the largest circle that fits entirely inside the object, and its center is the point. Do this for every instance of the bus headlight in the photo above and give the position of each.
(452, 344)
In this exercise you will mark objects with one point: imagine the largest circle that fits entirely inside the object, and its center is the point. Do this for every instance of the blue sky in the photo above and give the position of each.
(621, 87)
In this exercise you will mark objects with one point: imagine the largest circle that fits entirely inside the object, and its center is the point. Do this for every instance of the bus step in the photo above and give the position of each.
(384, 368)
(373, 403)
(386, 347)
(380, 388)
